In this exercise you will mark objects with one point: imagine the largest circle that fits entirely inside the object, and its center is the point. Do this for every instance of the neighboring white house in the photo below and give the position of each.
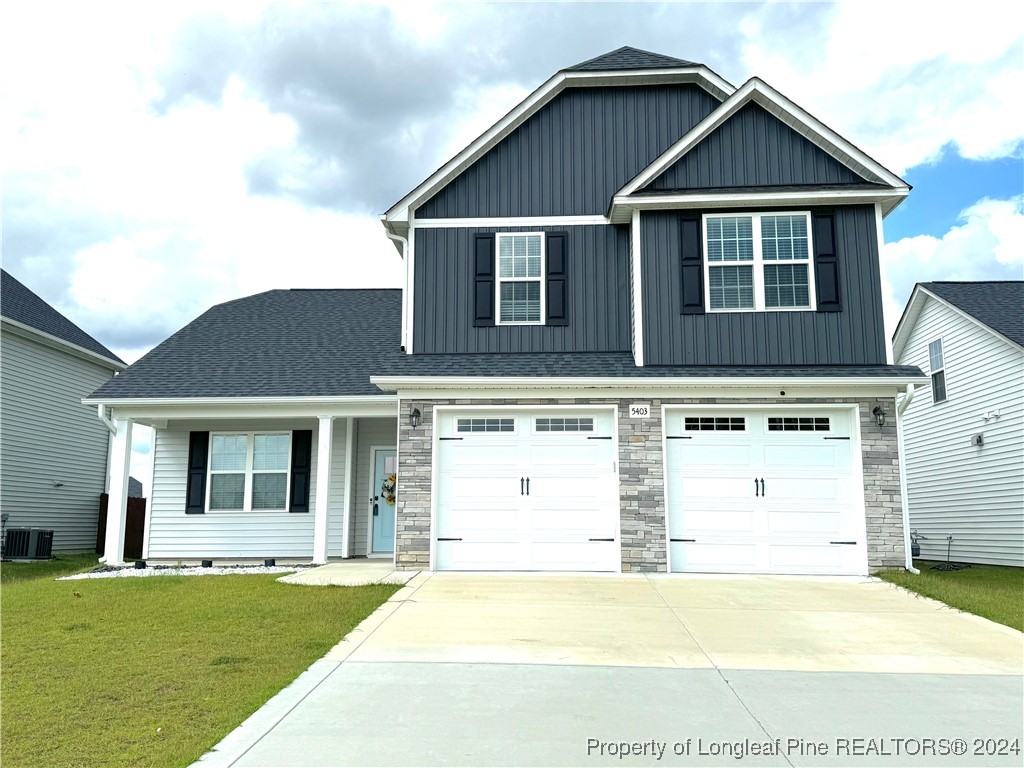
(964, 433)
(53, 449)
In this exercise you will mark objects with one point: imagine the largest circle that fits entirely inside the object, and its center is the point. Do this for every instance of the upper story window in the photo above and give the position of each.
(758, 261)
(520, 278)
(936, 368)
(249, 471)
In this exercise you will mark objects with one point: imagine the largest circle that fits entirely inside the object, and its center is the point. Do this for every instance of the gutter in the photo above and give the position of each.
(404, 243)
(102, 413)
(901, 406)
(394, 383)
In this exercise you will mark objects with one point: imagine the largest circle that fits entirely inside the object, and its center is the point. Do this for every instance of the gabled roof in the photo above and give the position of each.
(629, 58)
(617, 70)
(891, 187)
(24, 308)
(286, 343)
(998, 305)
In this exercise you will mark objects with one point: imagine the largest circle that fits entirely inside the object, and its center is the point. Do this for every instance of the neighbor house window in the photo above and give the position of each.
(520, 278)
(758, 261)
(249, 471)
(936, 367)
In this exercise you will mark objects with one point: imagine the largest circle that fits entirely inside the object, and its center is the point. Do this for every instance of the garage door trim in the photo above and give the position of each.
(857, 470)
(435, 448)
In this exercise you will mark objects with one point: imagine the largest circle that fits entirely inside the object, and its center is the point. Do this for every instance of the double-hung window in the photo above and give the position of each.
(249, 471)
(936, 369)
(758, 262)
(520, 283)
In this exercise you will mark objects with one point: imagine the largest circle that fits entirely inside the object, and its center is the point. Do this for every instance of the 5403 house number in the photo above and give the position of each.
(639, 410)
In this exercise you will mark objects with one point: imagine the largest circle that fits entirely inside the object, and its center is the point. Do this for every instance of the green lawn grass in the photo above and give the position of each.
(995, 592)
(153, 671)
(60, 565)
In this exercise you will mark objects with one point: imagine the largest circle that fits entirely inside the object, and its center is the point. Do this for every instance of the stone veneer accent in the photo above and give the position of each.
(642, 479)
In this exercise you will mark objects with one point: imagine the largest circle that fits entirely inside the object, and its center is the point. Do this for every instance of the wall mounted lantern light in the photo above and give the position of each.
(879, 415)
(414, 417)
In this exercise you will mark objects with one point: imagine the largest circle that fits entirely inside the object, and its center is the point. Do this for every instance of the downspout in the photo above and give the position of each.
(102, 412)
(901, 406)
(405, 289)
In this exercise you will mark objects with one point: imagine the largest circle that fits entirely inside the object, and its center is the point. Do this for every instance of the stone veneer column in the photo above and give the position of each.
(642, 489)
(412, 519)
(883, 502)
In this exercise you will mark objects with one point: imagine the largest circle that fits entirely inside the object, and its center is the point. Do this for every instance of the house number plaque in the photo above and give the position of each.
(640, 410)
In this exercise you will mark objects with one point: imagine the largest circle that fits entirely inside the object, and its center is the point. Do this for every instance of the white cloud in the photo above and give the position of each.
(987, 245)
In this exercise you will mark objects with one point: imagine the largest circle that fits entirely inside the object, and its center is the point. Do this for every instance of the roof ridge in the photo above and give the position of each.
(628, 57)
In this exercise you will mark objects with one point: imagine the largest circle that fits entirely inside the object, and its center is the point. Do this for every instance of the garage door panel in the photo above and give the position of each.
(722, 454)
(475, 556)
(809, 522)
(580, 456)
(486, 458)
(481, 487)
(701, 490)
(574, 556)
(715, 557)
(826, 454)
(705, 521)
(805, 490)
(473, 520)
(809, 558)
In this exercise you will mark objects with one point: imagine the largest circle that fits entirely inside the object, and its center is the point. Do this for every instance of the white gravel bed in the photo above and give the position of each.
(131, 572)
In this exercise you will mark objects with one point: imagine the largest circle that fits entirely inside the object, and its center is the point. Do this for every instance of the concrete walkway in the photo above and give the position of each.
(351, 573)
(468, 669)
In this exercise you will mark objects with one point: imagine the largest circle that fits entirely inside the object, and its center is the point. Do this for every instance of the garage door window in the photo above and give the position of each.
(715, 424)
(798, 424)
(565, 425)
(486, 425)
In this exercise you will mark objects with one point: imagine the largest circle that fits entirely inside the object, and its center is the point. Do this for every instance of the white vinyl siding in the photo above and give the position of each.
(49, 437)
(173, 535)
(974, 493)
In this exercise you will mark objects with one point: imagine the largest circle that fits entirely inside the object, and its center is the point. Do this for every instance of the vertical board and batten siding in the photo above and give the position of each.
(49, 437)
(572, 155)
(854, 336)
(370, 433)
(974, 493)
(175, 535)
(753, 148)
(598, 297)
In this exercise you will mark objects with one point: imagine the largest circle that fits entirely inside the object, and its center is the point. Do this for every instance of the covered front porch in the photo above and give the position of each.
(244, 480)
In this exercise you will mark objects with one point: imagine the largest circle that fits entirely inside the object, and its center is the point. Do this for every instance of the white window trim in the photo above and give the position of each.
(942, 370)
(758, 263)
(249, 472)
(498, 279)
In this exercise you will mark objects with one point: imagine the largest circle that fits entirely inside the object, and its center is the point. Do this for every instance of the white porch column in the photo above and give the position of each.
(323, 488)
(117, 501)
(346, 514)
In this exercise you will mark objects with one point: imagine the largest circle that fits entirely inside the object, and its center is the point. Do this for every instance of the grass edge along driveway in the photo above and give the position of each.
(994, 592)
(153, 671)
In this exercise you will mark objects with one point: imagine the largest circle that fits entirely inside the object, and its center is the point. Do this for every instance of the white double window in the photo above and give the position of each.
(758, 262)
(249, 471)
(520, 283)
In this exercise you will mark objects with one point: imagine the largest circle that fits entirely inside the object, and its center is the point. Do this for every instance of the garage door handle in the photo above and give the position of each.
(521, 481)
(756, 492)
(527, 486)
(762, 487)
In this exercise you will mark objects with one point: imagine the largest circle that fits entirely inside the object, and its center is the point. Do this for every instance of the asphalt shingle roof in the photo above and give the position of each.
(21, 305)
(629, 58)
(997, 304)
(308, 343)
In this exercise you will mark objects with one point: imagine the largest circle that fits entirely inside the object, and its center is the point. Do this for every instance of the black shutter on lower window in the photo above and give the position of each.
(483, 280)
(557, 278)
(198, 451)
(691, 250)
(302, 467)
(826, 262)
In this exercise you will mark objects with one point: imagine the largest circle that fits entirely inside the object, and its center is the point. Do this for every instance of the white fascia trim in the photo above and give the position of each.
(58, 343)
(759, 91)
(513, 221)
(916, 303)
(700, 75)
(622, 206)
(241, 401)
(638, 301)
(431, 383)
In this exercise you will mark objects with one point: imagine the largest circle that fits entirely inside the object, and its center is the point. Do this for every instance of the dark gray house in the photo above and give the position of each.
(641, 330)
(53, 449)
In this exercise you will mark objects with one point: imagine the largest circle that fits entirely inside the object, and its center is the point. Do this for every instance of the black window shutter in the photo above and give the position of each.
(692, 259)
(826, 262)
(557, 278)
(302, 455)
(195, 495)
(483, 282)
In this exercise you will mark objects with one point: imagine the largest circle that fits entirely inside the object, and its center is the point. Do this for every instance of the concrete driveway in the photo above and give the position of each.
(495, 669)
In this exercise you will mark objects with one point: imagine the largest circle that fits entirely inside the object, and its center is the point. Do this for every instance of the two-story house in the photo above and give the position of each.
(640, 330)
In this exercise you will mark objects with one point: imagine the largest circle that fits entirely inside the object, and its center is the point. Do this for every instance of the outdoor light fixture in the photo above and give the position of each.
(414, 418)
(879, 415)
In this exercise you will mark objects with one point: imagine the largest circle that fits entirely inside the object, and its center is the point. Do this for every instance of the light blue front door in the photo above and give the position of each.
(383, 512)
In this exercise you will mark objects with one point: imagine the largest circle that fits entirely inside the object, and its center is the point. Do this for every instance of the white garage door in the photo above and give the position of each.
(764, 492)
(526, 491)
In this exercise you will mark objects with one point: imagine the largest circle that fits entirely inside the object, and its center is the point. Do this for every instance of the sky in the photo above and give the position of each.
(159, 158)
